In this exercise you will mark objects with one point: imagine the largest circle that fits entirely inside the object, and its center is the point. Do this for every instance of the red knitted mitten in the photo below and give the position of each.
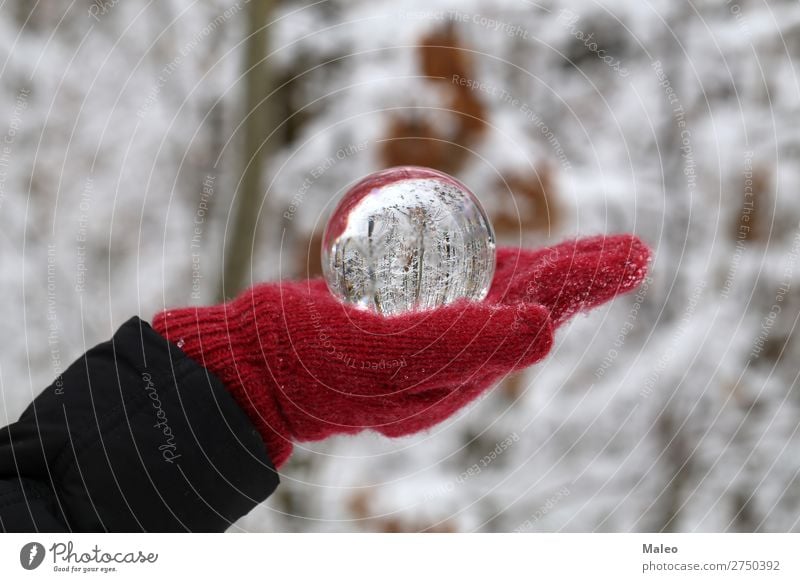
(305, 366)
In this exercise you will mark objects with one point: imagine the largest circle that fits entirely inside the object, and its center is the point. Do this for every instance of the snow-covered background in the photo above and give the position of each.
(675, 408)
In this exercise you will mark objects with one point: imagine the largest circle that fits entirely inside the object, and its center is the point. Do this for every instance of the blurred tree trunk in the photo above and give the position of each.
(240, 233)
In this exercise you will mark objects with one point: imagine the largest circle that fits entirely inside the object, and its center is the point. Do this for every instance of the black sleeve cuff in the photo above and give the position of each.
(136, 436)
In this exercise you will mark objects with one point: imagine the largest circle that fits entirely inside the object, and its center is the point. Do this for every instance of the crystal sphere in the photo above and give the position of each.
(408, 238)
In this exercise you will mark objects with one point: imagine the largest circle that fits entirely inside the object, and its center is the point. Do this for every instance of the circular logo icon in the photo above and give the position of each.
(31, 555)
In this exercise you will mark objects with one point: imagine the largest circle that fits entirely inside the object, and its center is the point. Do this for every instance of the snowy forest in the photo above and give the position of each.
(172, 153)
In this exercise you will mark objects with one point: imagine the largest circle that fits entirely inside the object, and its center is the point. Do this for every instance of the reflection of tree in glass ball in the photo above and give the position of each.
(408, 238)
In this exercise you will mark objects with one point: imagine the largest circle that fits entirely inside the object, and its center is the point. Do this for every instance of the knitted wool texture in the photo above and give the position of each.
(305, 366)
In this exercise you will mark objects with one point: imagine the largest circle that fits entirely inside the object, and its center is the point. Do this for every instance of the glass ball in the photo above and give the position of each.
(407, 239)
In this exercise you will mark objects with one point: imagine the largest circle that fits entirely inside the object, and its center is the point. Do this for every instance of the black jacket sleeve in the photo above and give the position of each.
(134, 436)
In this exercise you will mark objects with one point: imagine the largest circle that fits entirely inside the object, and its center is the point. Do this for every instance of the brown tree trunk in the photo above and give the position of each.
(240, 237)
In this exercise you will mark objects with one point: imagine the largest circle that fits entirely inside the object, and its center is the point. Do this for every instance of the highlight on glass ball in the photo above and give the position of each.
(408, 239)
